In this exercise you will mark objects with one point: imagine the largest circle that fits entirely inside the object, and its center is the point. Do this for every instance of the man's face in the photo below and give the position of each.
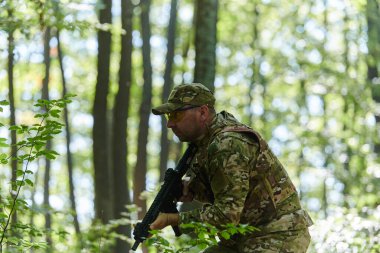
(186, 124)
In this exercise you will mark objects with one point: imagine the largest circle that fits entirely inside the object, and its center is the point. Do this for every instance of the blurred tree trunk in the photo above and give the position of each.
(34, 205)
(205, 42)
(168, 81)
(70, 166)
(45, 95)
(349, 102)
(373, 60)
(258, 58)
(257, 78)
(301, 163)
(205, 50)
(144, 111)
(11, 46)
(121, 109)
(255, 63)
(325, 137)
(102, 172)
(303, 111)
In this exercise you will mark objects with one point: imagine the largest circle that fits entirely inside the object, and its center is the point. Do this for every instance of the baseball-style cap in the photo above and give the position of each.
(195, 94)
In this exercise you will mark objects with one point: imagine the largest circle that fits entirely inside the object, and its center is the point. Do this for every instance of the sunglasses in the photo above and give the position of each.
(177, 115)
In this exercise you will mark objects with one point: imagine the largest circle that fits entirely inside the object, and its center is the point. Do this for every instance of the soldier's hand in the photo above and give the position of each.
(165, 219)
(187, 195)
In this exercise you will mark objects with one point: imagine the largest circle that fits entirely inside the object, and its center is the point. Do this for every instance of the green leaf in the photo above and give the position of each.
(201, 235)
(225, 235)
(29, 182)
(39, 115)
(19, 173)
(3, 215)
(51, 155)
(3, 142)
(55, 113)
(12, 128)
(20, 183)
(4, 102)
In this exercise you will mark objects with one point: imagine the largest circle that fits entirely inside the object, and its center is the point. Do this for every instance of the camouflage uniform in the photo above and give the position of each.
(240, 180)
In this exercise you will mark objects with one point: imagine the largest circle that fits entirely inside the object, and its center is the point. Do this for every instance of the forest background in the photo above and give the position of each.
(303, 73)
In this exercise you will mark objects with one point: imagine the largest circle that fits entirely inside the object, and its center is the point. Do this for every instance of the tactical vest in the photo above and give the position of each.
(272, 193)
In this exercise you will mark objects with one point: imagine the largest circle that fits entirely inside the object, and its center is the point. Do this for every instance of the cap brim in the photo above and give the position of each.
(166, 108)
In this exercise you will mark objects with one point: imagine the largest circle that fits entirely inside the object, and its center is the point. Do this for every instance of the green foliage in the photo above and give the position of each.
(306, 61)
(26, 16)
(99, 238)
(347, 231)
(204, 235)
(31, 147)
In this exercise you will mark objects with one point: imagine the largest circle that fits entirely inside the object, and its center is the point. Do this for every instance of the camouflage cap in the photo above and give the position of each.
(186, 94)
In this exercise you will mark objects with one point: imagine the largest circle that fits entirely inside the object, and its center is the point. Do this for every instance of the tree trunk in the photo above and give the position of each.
(205, 42)
(121, 108)
(373, 22)
(205, 50)
(70, 166)
(45, 95)
(256, 75)
(165, 144)
(325, 190)
(34, 205)
(11, 46)
(144, 112)
(102, 172)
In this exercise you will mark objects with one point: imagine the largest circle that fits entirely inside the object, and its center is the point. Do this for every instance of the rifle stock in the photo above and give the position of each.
(165, 200)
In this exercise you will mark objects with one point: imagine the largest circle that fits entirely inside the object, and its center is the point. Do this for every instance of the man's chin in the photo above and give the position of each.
(182, 138)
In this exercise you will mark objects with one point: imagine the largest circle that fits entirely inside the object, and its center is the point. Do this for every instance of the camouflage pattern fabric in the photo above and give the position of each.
(294, 241)
(194, 94)
(240, 180)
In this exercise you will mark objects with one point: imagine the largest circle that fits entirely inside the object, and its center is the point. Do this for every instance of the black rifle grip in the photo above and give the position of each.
(177, 231)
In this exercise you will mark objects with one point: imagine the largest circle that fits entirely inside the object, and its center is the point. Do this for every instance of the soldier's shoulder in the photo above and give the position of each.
(231, 142)
(234, 136)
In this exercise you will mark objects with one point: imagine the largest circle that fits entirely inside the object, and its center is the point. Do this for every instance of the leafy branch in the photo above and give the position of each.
(45, 130)
(205, 235)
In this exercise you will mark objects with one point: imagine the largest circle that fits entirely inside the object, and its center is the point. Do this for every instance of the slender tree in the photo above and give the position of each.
(205, 42)
(205, 46)
(373, 62)
(120, 122)
(302, 103)
(145, 106)
(168, 80)
(45, 95)
(103, 173)
(328, 159)
(69, 156)
(258, 55)
(11, 47)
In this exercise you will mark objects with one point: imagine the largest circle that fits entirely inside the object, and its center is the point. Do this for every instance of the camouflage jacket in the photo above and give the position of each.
(240, 180)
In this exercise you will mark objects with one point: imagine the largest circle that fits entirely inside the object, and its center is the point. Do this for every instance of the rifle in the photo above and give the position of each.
(165, 200)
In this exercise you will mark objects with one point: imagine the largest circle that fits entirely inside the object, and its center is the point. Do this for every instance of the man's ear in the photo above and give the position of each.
(204, 112)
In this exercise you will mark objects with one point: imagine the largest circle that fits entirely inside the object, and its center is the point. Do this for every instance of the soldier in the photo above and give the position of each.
(237, 177)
